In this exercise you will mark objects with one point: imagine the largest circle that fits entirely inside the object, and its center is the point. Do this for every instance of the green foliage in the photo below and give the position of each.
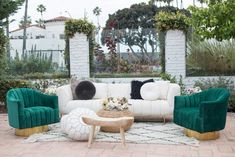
(28, 22)
(215, 21)
(133, 27)
(172, 79)
(8, 7)
(211, 57)
(166, 20)
(37, 75)
(78, 26)
(168, 77)
(221, 82)
(31, 63)
(3, 42)
(125, 75)
(9, 84)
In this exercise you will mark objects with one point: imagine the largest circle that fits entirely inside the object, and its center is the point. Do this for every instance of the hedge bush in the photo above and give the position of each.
(9, 84)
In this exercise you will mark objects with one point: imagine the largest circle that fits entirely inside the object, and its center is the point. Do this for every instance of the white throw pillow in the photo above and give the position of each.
(150, 91)
(119, 90)
(101, 90)
(163, 86)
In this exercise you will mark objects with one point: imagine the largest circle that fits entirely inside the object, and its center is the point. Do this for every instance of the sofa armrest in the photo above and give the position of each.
(174, 90)
(64, 94)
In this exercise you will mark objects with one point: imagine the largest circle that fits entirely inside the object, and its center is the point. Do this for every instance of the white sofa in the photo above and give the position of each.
(141, 108)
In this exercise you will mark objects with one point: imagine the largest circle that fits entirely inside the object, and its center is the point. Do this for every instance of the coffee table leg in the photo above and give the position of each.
(122, 133)
(92, 133)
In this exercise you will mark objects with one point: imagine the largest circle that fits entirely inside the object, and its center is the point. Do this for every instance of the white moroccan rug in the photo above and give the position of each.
(151, 133)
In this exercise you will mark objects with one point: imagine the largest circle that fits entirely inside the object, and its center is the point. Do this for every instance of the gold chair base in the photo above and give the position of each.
(202, 136)
(30, 131)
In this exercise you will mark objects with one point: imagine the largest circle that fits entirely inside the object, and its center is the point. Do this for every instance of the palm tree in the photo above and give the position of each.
(201, 1)
(177, 3)
(25, 22)
(181, 4)
(41, 8)
(96, 12)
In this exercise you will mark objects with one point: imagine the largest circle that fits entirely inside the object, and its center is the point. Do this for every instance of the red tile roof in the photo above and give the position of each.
(59, 18)
(35, 25)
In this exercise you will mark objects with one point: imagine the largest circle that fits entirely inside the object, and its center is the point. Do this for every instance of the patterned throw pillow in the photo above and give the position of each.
(136, 86)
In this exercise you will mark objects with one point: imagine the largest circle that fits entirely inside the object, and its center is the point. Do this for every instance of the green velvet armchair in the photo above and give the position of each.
(202, 113)
(30, 111)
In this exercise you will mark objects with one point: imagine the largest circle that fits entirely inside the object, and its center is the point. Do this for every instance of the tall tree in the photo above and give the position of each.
(96, 12)
(215, 21)
(41, 9)
(7, 8)
(25, 22)
(134, 27)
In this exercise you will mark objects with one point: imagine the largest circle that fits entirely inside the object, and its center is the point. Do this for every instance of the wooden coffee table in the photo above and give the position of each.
(115, 114)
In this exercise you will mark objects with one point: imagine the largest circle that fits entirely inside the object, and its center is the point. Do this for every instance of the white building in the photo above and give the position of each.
(48, 39)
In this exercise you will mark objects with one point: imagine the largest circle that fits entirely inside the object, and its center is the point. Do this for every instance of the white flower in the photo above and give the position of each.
(115, 104)
(193, 90)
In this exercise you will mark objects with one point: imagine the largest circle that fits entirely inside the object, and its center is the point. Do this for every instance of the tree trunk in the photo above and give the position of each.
(177, 3)
(8, 44)
(25, 22)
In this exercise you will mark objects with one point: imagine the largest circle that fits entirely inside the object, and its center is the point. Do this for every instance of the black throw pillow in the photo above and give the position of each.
(135, 88)
(85, 90)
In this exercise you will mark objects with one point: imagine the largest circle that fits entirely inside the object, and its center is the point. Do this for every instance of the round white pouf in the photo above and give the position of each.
(73, 125)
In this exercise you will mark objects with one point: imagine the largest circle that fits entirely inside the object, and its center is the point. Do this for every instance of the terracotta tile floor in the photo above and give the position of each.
(12, 146)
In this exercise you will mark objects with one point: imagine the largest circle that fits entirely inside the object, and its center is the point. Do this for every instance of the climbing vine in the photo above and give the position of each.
(79, 26)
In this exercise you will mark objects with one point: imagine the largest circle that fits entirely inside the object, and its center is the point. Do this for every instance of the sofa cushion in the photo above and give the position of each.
(85, 90)
(150, 91)
(94, 104)
(135, 88)
(119, 90)
(73, 86)
(149, 109)
(101, 90)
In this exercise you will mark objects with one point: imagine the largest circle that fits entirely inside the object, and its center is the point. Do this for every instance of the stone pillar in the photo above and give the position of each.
(79, 56)
(175, 49)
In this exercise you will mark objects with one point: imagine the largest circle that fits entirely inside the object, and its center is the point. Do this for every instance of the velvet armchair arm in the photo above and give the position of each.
(49, 100)
(187, 101)
(15, 111)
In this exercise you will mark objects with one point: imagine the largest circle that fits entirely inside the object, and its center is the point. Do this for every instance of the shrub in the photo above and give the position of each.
(9, 84)
(172, 79)
(221, 82)
(171, 20)
(211, 57)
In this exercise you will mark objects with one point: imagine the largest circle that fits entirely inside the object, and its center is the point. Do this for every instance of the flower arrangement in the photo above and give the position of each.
(115, 104)
(50, 91)
(193, 90)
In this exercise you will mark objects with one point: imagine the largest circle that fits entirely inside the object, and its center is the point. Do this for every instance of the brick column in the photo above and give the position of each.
(79, 56)
(175, 49)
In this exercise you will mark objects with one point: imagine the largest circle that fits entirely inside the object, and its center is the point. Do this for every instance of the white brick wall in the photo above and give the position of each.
(175, 53)
(79, 56)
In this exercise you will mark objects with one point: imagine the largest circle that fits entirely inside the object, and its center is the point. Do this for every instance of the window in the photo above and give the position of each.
(62, 36)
